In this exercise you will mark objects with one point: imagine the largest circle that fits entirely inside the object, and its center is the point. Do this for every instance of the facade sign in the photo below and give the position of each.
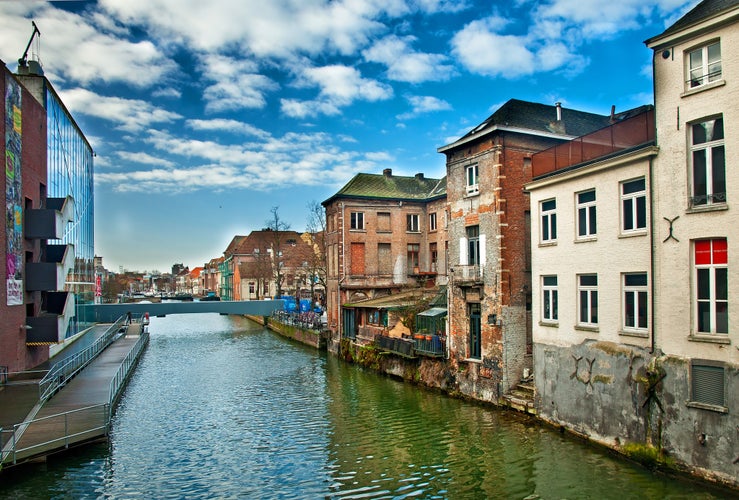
(13, 193)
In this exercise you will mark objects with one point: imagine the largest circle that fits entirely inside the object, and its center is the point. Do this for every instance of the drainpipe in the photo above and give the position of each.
(651, 255)
(341, 279)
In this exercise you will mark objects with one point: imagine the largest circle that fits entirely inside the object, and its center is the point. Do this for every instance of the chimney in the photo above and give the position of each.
(558, 105)
(419, 176)
(613, 112)
(388, 172)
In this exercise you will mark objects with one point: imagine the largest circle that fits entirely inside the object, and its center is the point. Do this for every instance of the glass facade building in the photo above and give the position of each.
(70, 173)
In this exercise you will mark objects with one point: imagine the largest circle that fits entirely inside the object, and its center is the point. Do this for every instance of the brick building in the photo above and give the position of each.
(488, 231)
(384, 234)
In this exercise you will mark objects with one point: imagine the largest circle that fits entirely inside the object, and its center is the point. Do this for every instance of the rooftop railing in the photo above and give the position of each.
(620, 136)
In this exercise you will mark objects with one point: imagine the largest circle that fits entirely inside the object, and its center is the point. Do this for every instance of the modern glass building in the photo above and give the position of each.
(69, 175)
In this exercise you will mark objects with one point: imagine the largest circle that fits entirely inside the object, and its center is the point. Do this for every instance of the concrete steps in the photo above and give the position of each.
(521, 397)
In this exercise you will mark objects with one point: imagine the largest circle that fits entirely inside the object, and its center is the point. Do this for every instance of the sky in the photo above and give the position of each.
(204, 116)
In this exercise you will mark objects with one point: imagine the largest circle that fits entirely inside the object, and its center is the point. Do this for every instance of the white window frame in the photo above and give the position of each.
(356, 221)
(432, 221)
(471, 179)
(588, 210)
(710, 148)
(548, 232)
(700, 69)
(714, 273)
(636, 295)
(633, 206)
(549, 299)
(412, 224)
(587, 301)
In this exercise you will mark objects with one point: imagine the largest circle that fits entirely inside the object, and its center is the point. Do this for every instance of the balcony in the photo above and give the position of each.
(49, 223)
(52, 274)
(466, 274)
(51, 326)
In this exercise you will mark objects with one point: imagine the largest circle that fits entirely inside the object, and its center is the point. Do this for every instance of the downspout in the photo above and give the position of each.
(651, 255)
(341, 279)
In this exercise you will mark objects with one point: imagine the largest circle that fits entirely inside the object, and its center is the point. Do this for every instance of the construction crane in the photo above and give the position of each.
(23, 61)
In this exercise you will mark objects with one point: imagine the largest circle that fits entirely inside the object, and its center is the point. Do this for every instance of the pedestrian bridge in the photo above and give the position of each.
(109, 313)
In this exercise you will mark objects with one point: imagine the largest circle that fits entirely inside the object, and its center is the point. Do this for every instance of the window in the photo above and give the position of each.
(708, 162)
(251, 288)
(635, 301)
(586, 223)
(432, 221)
(433, 256)
(712, 286)
(704, 65)
(633, 206)
(413, 261)
(471, 175)
(549, 299)
(373, 317)
(474, 313)
(357, 220)
(473, 245)
(587, 289)
(412, 223)
(707, 383)
(548, 221)
(383, 222)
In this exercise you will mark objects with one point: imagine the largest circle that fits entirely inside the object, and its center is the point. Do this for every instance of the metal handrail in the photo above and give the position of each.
(124, 370)
(60, 374)
(10, 449)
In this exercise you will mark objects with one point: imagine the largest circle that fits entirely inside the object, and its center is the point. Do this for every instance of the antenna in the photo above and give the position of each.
(23, 61)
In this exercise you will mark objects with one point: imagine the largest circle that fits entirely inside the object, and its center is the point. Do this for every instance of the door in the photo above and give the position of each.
(475, 341)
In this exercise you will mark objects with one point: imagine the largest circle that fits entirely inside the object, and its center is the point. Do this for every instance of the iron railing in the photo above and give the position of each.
(60, 373)
(70, 427)
(429, 345)
(308, 320)
(119, 379)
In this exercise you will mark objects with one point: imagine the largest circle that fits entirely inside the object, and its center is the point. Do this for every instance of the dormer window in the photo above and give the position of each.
(704, 65)
(471, 176)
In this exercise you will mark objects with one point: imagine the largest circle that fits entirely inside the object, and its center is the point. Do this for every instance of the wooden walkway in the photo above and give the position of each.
(78, 413)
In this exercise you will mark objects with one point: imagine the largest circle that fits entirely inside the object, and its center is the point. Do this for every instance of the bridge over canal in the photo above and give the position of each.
(107, 313)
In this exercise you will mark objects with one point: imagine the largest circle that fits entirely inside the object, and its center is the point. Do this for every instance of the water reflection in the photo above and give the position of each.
(221, 408)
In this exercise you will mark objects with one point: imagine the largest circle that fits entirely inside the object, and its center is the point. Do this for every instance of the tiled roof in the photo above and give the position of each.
(705, 9)
(392, 187)
(538, 117)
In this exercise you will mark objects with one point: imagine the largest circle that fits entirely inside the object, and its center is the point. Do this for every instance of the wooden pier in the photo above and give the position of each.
(81, 409)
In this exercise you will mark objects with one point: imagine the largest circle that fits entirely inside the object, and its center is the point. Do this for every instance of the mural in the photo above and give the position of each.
(13, 193)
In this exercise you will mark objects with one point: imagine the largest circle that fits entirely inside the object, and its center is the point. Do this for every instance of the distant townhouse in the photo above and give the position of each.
(211, 275)
(489, 254)
(696, 227)
(386, 234)
(254, 264)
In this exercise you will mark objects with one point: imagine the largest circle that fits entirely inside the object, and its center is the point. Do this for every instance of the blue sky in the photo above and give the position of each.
(205, 115)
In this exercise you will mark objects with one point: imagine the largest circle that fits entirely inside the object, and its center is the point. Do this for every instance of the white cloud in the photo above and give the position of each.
(406, 65)
(226, 125)
(424, 104)
(482, 50)
(131, 115)
(237, 84)
(339, 86)
(144, 158)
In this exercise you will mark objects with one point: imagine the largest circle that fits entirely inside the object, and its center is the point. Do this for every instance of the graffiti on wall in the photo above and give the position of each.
(13, 194)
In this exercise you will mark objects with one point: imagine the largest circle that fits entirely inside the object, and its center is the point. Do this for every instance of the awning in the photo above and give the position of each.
(434, 312)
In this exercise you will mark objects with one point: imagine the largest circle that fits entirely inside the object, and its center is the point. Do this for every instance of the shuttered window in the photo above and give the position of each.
(708, 384)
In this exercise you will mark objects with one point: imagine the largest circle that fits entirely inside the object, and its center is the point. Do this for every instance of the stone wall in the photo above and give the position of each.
(630, 400)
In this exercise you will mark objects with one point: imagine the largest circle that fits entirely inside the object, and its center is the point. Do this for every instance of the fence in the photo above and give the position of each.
(308, 320)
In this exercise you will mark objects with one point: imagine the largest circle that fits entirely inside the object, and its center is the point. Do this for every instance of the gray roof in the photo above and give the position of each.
(536, 117)
(704, 10)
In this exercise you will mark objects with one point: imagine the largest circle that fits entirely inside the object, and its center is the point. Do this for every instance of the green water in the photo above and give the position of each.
(221, 408)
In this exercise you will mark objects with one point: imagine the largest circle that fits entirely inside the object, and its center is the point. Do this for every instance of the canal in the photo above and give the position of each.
(219, 407)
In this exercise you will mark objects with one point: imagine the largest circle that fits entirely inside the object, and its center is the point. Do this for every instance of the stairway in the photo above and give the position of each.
(521, 397)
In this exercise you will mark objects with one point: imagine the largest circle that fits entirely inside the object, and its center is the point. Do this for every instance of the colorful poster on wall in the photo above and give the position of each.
(13, 193)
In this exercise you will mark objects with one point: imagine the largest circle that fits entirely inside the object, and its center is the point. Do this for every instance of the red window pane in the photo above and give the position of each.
(703, 252)
(720, 252)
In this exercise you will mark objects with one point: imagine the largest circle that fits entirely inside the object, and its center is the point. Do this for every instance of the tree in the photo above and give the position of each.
(317, 264)
(278, 227)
